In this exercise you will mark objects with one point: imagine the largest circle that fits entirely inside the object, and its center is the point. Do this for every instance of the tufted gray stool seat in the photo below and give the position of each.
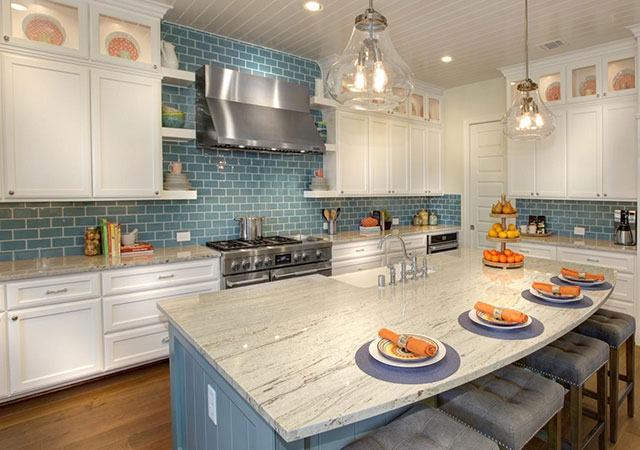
(572, 360)
(509, 405)
(615, 329)
(423, 428)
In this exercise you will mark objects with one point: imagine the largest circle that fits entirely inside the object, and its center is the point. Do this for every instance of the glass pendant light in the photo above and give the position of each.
(528, 118)
(370, 75)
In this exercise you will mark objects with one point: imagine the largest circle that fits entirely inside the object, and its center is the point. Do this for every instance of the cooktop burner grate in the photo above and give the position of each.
(237, 244)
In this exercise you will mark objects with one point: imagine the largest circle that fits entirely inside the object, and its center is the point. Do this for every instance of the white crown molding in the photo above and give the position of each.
(147, 7)
(635, 29)
(571, 57)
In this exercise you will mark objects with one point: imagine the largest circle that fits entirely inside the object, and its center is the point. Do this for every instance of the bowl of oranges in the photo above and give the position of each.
(507, 259)
(498, 234)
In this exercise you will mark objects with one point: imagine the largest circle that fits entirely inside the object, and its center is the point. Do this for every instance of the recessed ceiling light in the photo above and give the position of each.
(447, 58)
(313, 6)
(18, 7)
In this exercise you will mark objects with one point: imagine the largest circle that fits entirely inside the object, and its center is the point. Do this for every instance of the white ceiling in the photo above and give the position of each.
(480, 34)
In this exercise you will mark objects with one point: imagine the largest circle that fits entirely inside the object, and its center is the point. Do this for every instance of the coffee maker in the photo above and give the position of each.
(625, 227)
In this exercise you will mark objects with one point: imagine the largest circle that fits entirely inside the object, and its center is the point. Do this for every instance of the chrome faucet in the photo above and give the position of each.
(389, 236)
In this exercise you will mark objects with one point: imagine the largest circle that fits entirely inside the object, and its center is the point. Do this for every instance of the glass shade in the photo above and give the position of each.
(528, 118)
(370, 75)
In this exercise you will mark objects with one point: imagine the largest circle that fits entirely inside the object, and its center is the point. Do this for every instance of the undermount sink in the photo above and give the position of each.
(369, 278)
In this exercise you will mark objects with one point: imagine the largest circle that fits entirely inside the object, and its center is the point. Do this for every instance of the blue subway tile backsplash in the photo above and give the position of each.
(563, 215)
(229, 183)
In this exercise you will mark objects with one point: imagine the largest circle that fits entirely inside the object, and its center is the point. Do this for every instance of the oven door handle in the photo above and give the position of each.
(275, 276)
(441, 247)
(232, 284)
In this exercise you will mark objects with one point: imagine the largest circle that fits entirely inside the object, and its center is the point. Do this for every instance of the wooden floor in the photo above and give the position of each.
(132, 411)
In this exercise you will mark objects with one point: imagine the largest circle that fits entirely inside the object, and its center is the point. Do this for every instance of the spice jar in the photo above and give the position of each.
(92, 246)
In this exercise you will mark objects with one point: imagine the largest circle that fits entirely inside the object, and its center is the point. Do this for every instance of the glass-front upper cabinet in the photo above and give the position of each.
(551, 86)
(620, 75)
(126, 39)
(433, 109)
(585, 82)
(417, 106)
(54, 26)
(401, 110)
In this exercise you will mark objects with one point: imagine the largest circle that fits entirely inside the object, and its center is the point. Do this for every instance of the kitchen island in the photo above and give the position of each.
(280, 356)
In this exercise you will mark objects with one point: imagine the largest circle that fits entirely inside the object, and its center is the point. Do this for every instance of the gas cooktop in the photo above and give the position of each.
(238, 244)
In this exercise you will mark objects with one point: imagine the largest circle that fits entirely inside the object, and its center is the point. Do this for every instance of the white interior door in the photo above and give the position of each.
(488, 178)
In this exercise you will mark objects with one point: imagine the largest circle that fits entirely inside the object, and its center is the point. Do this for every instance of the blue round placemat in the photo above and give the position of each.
(535, 329)
(601, 287)
(420, 375)
(584, 303)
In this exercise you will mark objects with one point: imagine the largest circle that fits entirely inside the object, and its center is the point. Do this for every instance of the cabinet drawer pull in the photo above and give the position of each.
(358, 250)
(56, 291)
(593, 260)
(165, 340)
(164, 277)
(14, 318)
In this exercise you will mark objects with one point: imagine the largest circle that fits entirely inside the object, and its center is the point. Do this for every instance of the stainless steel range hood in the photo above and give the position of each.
(249, 112)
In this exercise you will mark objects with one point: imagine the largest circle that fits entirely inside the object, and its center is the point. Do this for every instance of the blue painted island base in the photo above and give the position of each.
(239, 426)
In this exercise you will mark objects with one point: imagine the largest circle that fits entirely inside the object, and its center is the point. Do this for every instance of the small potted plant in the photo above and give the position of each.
(387, 219)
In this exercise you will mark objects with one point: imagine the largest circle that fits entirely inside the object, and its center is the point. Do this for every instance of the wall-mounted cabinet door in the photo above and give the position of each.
(51, 345)
(619, 77)
(46, 129)
(521, 168)
(379, 156)
(584, 81)
(550, 162)
(353, 153)
(434, 161)
(418, 159)
(399, 157)
(584, 152)
(127, 150)
(619, 152)
(4, 366)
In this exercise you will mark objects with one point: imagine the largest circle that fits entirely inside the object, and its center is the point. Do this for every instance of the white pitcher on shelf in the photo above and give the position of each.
(169, 57)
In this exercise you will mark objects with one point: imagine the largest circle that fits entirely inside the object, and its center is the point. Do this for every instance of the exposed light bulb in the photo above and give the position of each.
(360, 81)
(525, 121)
(18, 7)
(379, 77)
(539, 120)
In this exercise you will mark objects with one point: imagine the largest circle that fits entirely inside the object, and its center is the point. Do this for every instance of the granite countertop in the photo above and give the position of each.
(352, 236)
(575, 242)
(46, 267)
(288, 347)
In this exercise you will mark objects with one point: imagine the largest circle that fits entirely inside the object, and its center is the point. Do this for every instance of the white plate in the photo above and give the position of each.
(475, 319)
(581, 283)
(375, 354)
(540, 295)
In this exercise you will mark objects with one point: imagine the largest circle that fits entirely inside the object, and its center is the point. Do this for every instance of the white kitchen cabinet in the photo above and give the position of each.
(551, 162)
(353, 153)
(521, 168)
(50, 290)
(434, 161)
(619, 150)
(418, 158)
(46, 129)
(584, 152)
(126, 348)
(4, 363)
(399, 157)
(127, 147)
(379, 180)
(52, 345)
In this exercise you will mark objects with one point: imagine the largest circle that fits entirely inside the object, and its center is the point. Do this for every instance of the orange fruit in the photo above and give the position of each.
(503, 259)
(494, 252)
(486, 254)
(508, 252)
(494, 258)
(511, 259)
(519, 258)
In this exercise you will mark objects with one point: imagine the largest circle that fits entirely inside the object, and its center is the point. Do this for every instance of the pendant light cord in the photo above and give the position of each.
(526, 35)
(371, 5)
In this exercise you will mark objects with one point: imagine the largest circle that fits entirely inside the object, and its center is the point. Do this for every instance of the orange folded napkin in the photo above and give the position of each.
(587, 276)
(416, 346)
(508, 315)
(554, 289)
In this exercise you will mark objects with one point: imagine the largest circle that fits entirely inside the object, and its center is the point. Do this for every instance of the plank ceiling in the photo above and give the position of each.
(480, 34)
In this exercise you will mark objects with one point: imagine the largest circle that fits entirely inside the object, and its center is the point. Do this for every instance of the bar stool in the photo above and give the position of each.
(509, 406)
(423, 428)
(615, 329)
(571, 361)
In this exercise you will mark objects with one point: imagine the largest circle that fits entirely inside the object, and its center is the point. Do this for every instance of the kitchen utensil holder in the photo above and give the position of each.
(333, 227)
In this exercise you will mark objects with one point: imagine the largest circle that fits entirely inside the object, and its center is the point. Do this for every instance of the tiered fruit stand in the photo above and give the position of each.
(503, 242)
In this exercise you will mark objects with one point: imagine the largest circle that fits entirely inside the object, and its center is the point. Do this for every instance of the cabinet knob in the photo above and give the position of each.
(342, 192)
(14, 318)
(157, 192)
(537, 193)
(6, 37)
(597, 95)
(11, 192)
(605, 195)
(604, 94)
(393, 192)
(389, 192)
(597, 195)
(155, 66)
(532, 193)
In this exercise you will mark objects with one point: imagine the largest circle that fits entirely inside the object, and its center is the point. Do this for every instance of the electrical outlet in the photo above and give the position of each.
(578, 231)
(211, 404)
(395, 221)
(183, 236)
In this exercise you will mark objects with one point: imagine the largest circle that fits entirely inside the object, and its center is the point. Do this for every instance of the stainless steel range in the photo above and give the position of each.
(271, 258)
